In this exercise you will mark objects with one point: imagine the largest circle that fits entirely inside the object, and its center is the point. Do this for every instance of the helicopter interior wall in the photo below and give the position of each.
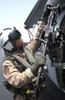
(52, 72)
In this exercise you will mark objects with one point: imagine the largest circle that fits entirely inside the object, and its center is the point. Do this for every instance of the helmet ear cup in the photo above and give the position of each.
(8, 46)
(7, 42)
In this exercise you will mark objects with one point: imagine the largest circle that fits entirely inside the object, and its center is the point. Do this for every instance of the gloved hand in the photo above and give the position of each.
(41, 60)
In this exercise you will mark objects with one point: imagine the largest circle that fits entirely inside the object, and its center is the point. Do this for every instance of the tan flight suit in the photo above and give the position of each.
(12, 75)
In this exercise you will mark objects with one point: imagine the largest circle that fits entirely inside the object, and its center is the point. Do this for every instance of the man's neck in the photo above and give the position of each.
(19, 51)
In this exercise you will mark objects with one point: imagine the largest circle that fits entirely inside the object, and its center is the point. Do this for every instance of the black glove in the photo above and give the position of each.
(41, 60)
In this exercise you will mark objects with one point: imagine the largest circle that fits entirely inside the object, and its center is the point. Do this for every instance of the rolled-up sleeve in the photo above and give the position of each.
(14, 77)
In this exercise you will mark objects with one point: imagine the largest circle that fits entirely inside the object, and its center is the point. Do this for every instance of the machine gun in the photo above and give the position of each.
(49, 37)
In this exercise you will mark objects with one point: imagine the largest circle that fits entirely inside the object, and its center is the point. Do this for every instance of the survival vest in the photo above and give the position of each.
(21, 65)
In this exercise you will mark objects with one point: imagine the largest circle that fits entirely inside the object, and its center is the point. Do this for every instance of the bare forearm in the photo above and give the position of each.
(33, 45)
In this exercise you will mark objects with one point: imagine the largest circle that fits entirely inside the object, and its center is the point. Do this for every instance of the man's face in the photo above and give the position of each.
(18, 42)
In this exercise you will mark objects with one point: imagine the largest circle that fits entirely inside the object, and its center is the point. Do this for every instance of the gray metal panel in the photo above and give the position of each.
(52, 72)
(59, 19)
(35, 14)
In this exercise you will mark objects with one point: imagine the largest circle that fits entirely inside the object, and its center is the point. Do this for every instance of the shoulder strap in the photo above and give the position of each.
(21, 61)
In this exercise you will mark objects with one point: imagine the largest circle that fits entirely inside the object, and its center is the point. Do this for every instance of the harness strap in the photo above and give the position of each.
(21, 61)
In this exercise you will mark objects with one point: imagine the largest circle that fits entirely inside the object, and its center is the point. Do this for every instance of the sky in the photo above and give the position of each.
(13, 13)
